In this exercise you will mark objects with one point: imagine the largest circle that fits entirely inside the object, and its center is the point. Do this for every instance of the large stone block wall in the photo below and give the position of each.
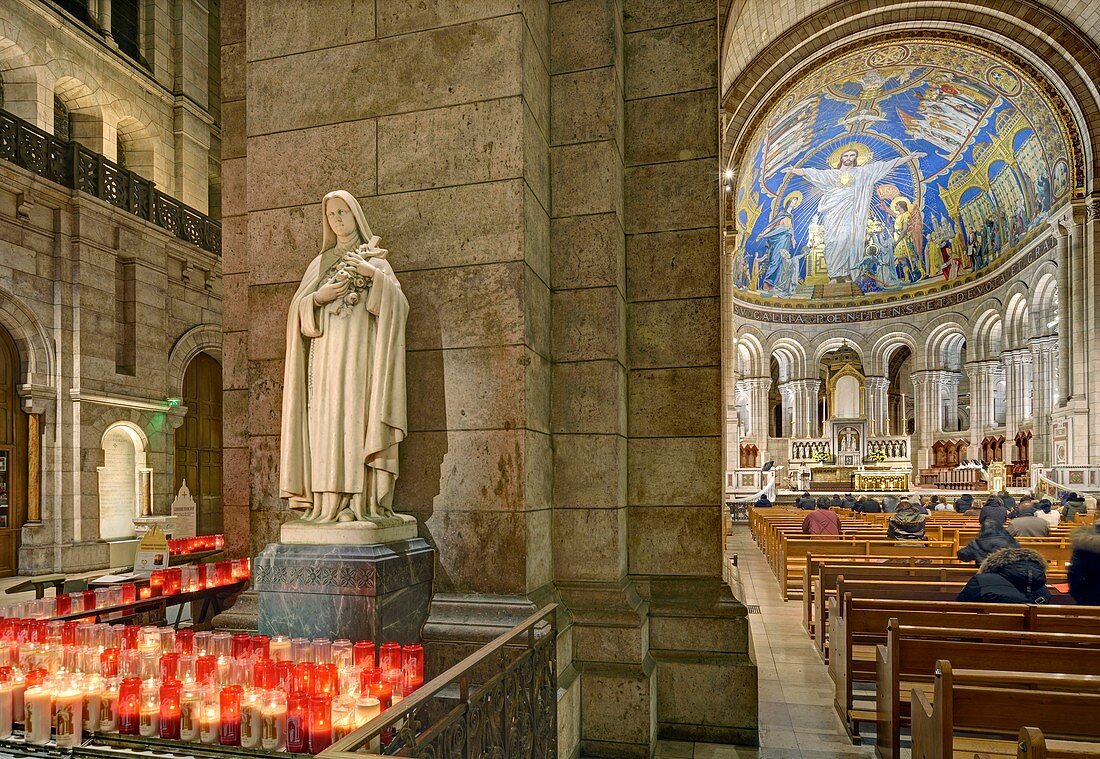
(545, 177)
(58, 251)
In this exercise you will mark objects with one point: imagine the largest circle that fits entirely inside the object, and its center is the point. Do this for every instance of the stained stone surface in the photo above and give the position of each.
(360, 592)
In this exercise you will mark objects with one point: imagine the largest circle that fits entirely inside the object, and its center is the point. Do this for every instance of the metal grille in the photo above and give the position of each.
(752, 608)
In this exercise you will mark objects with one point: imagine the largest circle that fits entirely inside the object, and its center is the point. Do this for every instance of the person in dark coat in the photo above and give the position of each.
(993, 537)
(907, 522)
(1009, 576)
(1027, 525)
(1008, 501)
(964, 503)
(1084, 566)
(806, 502)
(994, 509)
(763, 502)
(890, 504)
(871, 506)
(1075, 504)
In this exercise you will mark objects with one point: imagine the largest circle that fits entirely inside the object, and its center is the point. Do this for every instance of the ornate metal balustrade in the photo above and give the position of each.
(75, 166)
(497, 703)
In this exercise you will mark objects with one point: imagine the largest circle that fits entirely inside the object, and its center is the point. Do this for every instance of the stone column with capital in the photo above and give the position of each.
(806, 421)
(1065, 312)
(949, 391)
(1017, 369)
(982, 375)
(878, 406)
(757, 389)
(789, 419)
(926, 413)
(1046, 380)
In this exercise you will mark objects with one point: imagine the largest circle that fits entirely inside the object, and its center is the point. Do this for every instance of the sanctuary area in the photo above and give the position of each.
(682, 379)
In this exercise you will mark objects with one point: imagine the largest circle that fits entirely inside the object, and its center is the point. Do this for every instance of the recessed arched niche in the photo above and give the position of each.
(122, 480)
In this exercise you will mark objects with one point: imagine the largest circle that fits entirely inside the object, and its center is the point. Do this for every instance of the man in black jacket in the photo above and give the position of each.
(1009, 576)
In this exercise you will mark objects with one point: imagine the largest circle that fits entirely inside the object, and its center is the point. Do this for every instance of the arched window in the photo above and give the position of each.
(62, 120)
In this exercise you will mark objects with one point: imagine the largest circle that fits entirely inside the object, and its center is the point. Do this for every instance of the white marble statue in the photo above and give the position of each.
(344, 379)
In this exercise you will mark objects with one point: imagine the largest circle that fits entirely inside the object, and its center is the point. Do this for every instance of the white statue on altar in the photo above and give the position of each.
(344, 377)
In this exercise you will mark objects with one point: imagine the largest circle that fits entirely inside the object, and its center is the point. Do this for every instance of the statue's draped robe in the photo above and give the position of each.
(344, 392)
(844, 205)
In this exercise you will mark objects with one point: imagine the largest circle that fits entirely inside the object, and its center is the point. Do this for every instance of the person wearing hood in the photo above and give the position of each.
(763, 502)
(889, 504)
(870, 506)
(907, 522)
(1027, 525)
(1084, 566)
(994, 509)
(993, 537)
(1075, 504)
(1049, 515)
(1009, 576)
(964, 503)
(1007, 500)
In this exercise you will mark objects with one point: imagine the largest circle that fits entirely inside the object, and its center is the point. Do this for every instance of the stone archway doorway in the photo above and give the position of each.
(199, 441)
(13, 457)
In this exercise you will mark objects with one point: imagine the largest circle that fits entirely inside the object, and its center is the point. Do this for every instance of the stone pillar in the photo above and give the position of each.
(927, 414)
(758, 389)
(1065, 314)
(789, 418)
(190, 120)
(878, 407)
(806, 421)
(1045, 378)
(1078, 366)
(982, 375)
(949, 392)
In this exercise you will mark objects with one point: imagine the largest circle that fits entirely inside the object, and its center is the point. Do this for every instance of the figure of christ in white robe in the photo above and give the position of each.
(845, 202)
(344, 386)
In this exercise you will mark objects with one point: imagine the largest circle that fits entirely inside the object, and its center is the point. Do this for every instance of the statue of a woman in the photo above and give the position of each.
(344, 379)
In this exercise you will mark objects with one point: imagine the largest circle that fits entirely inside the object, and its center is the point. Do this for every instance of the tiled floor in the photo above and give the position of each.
(797, 719)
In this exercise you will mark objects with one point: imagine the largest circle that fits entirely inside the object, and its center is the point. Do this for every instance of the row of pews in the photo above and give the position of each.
(965, 679)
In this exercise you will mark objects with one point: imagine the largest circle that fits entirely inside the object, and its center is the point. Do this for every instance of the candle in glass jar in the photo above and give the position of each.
(273, 732)
(279, 648)
(230, 734)
(170, 710)
(261, 647)
(326, 679)
(108, 708)
(341, 653)
(129, 705)
(300, 649)
(6, 712)
(185, 641)
(320, 723)
(209, 722)
(190, 710)
(297, 712)
(343, 718)
(363, 652)
(240, 645)
(206, 669)
(304, 677)
(18, 688)
(251, 719)
(264, 675)
(108, 662)
(389, 656)
(36, 715)
(149, 714)
(93, 703)
(68, 712)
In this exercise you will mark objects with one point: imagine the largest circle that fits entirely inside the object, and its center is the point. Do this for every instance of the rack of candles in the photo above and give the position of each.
(65, 680)
(197, 544)
(162, 584)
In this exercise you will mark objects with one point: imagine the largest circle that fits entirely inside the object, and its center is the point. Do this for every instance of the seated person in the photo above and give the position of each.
(964, 504)
(1075, 504)
(821, 521)
(1084, 566)
(907, 522)
(993, 537)
(870, 506)
(1027, 525)
(994, 509)
(1009, 576)
(889, 504)
(806, 502)
(763, 502)
(1047, 513)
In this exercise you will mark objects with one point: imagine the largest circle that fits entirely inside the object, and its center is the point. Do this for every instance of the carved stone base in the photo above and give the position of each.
(360, 592)
(399, 527)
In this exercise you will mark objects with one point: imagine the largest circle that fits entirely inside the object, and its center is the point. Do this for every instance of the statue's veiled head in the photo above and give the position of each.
(341, 215)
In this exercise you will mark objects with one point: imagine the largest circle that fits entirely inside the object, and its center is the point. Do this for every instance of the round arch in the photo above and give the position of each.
(36, 354)
(202, 338)
(122, 495)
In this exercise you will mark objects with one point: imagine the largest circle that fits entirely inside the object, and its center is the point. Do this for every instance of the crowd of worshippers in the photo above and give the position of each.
(1007, 572)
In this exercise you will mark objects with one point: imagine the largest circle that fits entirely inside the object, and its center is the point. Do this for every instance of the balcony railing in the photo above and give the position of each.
(500, 702)
(75, 166)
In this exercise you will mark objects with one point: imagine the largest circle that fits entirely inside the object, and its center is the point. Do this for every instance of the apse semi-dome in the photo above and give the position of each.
(898, 170)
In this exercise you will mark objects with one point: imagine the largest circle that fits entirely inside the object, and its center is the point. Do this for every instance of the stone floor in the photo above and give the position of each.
(797, 719)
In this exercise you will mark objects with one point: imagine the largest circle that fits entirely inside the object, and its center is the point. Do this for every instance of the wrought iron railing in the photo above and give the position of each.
(75, 166)
(498, 703)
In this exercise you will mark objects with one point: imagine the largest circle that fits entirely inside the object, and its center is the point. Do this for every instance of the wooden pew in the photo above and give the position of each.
(1032, 744)
(909, 658)
(856, 625)
(995, 703)
(793, 552)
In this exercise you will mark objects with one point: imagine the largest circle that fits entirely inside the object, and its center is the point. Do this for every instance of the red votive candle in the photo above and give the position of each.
(261, 647)
(264, 675)
(412, 665)
(129, 592)
(284, 675)
(326, 679)
(68, 633)
(145, 593)
(185, 641)
(170, 710)
(297, 708)
(368, 676)
(320, 723)
(202, 576)
(230, 699)
(304, 677)
(240, 645)
(206, 668)
(383, 691)
(129, 705)
(89, 600)
(64, 604)
(108, 662)
(169, 666)
(36, 677)
(389, 656)
(156, 583)
(173, 581)
(363, 653)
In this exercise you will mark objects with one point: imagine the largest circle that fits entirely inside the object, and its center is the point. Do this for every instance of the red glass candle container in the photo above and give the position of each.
(130, 635)
(264, 675)
(261, 646)
(156, 583)
(304, 677)
(89, 600)
(297, 708)
(185, 641)
(223, 572)
(202, 576)
(169, 666)
(108, 662)
(284, 675)
(368, 676)
(36, 677)
(64, 604)
(412, 665)
(129, 592)
(68, 633)
(240, 646)
(145, 593)
(173, 581)
(170, 710)
(389, 656)
(230, 699)
(363, 653)
(206, 669)
(129, 705)
(384, 693)
(326, 679)
(320, 723)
